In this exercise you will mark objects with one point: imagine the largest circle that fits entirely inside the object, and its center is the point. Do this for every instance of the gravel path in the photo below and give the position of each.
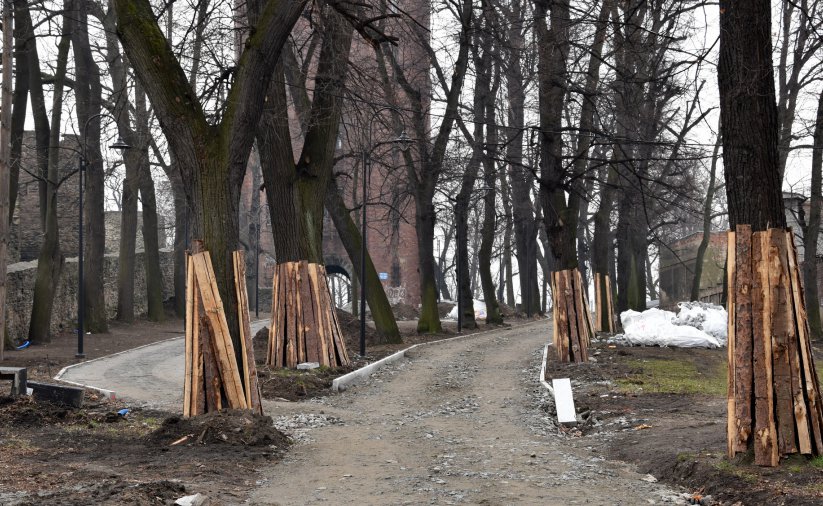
(456, 423)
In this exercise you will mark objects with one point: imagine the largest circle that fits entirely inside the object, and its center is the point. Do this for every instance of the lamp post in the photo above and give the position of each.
(403, 142)
(119, 146)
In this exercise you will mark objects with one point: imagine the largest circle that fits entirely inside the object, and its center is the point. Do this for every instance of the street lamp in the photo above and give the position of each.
(403, 141)
(119, 145)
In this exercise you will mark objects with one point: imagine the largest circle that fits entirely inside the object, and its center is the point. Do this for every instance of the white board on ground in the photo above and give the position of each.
(564, 401)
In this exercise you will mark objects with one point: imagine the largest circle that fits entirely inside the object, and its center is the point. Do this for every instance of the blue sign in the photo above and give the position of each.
(383, 276)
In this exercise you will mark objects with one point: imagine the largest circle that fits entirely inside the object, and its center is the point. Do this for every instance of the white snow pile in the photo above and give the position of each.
(696, 325)
(479, 311)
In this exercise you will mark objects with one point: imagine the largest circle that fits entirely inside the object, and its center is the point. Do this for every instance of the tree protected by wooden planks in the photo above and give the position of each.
(304, 321)
(773, 390)
(213, 379)
(604, 320)
(571, 321)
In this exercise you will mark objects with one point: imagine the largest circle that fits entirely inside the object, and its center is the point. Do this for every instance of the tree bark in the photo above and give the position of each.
(748, 113)
(489, 227)
(19, 106)
(381, 311)
(151, 245)
(50, 260)
(707, 223)
(812, 232)
(5, 154)
(211, 159)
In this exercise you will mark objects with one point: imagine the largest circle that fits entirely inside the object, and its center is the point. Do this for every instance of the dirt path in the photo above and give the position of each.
(456, 423)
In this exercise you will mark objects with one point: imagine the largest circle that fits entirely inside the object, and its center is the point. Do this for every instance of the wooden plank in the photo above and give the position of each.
(598, 304)
(579, 312)
(765, 438)
(809, 373)
(219, 330)
(309, 318)
(211, 376)
(292, 322)
(564, 401)
(804, 441)
(610, 304)
(189, 339)
(280, 351)
(583, 300)
(553, 278)
(271, 357)
(731, 423)
(198, 393)
(300, 339)
(320, 320)
(564, 320)
(742, 364)
(250, 383)
(781, 368)
(337, 334)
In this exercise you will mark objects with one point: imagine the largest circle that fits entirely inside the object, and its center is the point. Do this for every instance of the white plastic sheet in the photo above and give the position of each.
(697, 325)
(479, 311)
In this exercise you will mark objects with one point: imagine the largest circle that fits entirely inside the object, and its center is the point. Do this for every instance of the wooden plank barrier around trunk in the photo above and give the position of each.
(213, 380)
(773, 391)
(571, 321)
(304, 324)
(604, 305)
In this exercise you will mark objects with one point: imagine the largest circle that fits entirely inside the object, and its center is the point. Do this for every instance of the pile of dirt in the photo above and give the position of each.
(350, 326)
(27, 412)
(297, 385)
(260, 343)
(404, 311)
(444, 308)
(230, 427)
(111, 491)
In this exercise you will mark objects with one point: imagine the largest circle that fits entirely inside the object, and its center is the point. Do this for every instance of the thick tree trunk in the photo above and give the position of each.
(50, 260)
(602, 250)
(381, 311)
(151, 245)
(19, 105)
(429, 321)
(748, 113)
(5, 155)
(489, 227)
(128, 240)
(812, 231)
(89, 102)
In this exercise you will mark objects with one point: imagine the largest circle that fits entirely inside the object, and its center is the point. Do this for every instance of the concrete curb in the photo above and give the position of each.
(111, 394)
(341, 383)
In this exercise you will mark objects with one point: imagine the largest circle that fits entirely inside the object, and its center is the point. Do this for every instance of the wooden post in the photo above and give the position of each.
(731, 421)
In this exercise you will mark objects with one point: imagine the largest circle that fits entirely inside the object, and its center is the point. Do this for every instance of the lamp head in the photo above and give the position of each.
(120, 145)
(403, 141)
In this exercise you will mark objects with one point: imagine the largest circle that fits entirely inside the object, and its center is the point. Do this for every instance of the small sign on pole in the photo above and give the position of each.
(383, 276)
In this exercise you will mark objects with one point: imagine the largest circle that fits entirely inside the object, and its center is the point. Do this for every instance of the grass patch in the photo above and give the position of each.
(674, 377)
(727, 467)
(817, 462)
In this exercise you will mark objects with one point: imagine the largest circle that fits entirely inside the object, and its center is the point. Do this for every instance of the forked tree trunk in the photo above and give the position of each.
(50, 260)
(5, 157)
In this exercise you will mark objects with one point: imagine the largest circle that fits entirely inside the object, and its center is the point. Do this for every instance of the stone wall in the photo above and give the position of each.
(20, 292)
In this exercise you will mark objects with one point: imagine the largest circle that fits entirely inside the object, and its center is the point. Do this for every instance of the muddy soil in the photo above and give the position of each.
(679, 438)
(52, 455)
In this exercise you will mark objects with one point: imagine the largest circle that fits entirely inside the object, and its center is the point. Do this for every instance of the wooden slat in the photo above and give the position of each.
(598, 304)
(765, 442)
(742, 364)
(804, 440)
(320, 319)
(731, 420)
(563, 320)
(579, 311)
(292, 316)
(583, 299)
(271, 357)
(610, 304)
(250, 383)
(211, 376)
(219, 330)
(781, 369)
(553, 278)
(332, 325)
(280, 350)
(339, 342)
(189, 339)
(812, 389)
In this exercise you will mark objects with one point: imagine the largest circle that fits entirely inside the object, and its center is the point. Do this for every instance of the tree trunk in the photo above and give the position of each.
(707, 224)
(19, 105)
(812, 231)
(128, 239)
(489, 227)
(381, 311)
(5, 156)
(151, 245)
(50, 260)
(89, 102)
(506, 266)
(429, 321)
(748, 114)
